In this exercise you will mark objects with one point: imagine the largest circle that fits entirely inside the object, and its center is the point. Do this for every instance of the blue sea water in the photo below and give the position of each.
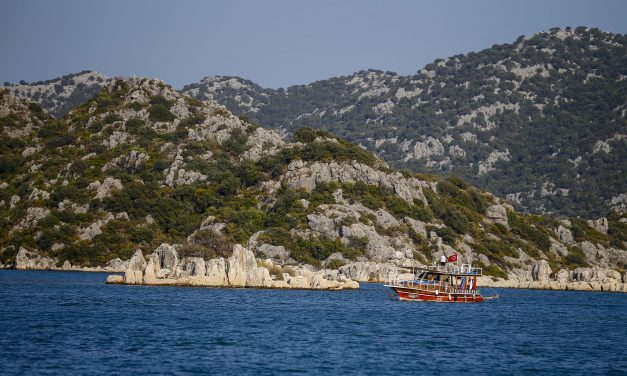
(72, 323)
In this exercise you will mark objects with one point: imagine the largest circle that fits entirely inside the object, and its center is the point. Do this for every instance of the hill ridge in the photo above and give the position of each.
(141, 164)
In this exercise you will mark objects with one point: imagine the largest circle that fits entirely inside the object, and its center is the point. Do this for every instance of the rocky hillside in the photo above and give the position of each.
(140, 165)
(540, 121)
(60, 95)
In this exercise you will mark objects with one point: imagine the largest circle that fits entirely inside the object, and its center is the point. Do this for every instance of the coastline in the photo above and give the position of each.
(242, 270)
(501, 284)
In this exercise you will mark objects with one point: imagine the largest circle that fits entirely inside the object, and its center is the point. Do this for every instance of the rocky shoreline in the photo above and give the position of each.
(579, 279)
(242, 269)
(538, 277)
(29, 260)
(164, 267)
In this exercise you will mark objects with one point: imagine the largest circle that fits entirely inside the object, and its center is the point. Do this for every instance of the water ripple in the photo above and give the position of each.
(60, 323)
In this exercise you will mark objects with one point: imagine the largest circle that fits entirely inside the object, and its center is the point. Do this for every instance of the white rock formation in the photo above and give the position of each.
(240, 270)
(498, 214)
(105, 188)
(308, 175)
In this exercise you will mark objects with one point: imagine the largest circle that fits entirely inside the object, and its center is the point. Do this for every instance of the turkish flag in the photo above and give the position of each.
(452, 258)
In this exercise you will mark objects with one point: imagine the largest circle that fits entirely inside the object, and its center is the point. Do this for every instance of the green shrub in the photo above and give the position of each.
(456, 220)
(617, 231)
(492, 270)
(335, 264)
(526, 231)
(159, 112)
(307, 135)
(111, 118)
(576, 258)
(197, 250)
(236, 144)
(581, 232)
(210, 243)
(448, 236)
(419, 212)
(133, 125)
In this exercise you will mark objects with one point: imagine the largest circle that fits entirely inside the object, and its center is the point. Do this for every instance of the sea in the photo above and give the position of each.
(73, 323)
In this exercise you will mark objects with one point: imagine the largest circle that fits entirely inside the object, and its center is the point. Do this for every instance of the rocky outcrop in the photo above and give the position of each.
(368, 271)
(33, 260)
(541, 271)
(565, 235)
(497, 214)
(600, 225)
(105, 188)
(164, 267)
(134, 273)
(581, 279)
(26, 259)
(131, 162)
(540, 276)
(89, 232)
(308, 175)
(263, 142)
(177, 175)
(32, 217)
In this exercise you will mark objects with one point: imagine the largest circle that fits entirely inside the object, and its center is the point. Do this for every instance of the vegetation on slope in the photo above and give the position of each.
(167, 181)
(540, 120)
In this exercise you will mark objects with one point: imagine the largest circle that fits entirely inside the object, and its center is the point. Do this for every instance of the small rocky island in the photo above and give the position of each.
(241, 269)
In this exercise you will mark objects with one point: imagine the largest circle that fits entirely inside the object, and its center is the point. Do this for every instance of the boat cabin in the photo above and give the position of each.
(448, 279)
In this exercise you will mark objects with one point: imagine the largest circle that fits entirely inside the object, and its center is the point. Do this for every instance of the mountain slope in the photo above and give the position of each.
(540, 121)
(140, 164)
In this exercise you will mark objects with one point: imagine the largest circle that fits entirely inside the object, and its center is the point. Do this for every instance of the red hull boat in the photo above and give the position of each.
(450, 283)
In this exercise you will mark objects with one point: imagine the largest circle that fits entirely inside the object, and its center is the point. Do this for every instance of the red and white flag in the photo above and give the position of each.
(452, 258)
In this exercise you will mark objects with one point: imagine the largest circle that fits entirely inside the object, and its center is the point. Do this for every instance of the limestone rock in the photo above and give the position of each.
(239, 270)
(259, 277)
(135, 272)
(263, 142)
(238, 264)
(38, 194)
(498, 214)
(32, 217)
(418, 226)
(565, 235)
(385, 219)
(216, 272)
(14, 200)
(150, 272)
(26, 259)
(89, 232)
(274, 252)
(105, 188)
(168, 258)
(114, 278)
(600, 225)
(558, 248)
(117, 265)
(192, 267)
(367, 271)
(177, 175)
(541, 271)
(307, 176)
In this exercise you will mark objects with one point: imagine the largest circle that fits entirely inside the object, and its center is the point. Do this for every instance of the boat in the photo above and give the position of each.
(449, 283)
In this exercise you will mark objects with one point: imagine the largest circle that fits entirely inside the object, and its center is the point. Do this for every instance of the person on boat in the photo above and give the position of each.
(442, 261)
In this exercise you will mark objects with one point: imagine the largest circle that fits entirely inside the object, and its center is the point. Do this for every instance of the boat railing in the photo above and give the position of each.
(453, 268)
(402, 280)
(394, 279)
(464, 269)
